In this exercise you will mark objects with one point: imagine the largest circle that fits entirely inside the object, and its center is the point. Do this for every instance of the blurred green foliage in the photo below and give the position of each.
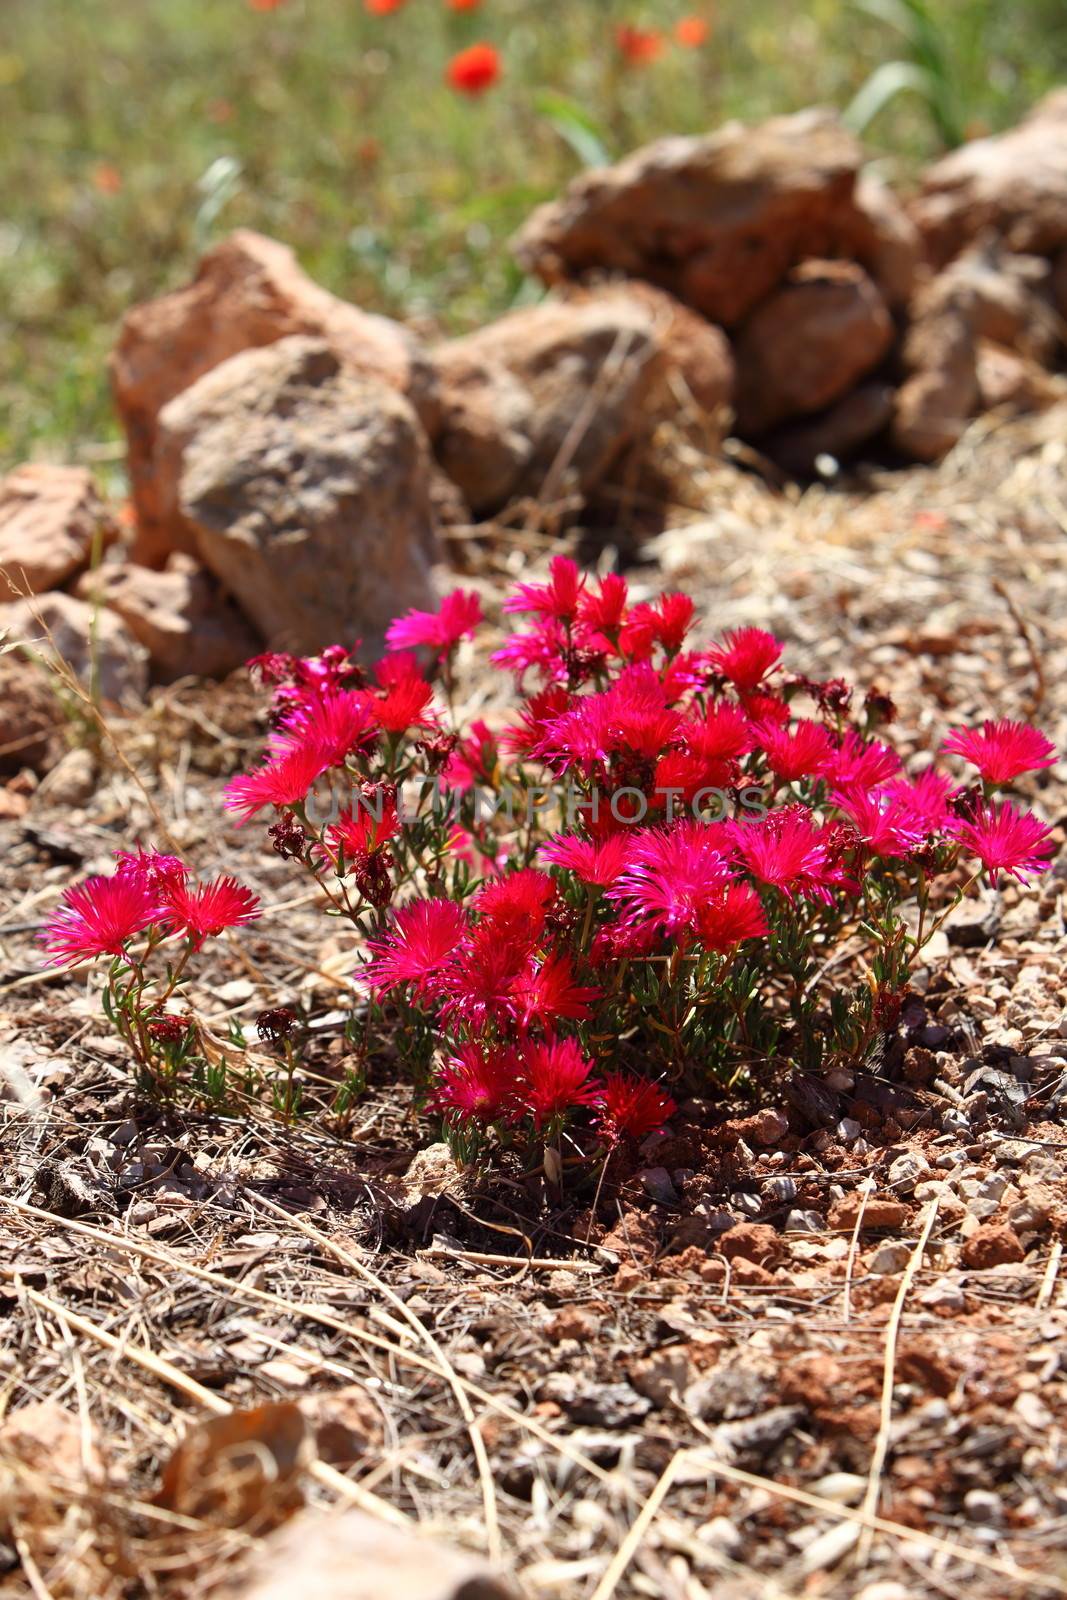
(133, 132)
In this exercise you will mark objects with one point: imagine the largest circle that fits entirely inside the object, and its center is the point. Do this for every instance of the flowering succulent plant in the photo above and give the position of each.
(641, 884)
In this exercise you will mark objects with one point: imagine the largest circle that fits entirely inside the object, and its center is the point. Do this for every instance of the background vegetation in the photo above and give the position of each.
(133, 132)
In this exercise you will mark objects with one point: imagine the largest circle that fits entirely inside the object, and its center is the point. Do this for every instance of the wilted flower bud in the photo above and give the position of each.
(288, 838)
(276, 1024)
(879, 706)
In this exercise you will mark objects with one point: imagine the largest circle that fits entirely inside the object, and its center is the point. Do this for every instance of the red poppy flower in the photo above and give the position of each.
(463, 5)
(474, 70)
(382, 8)
(692, 32)
(638, 46)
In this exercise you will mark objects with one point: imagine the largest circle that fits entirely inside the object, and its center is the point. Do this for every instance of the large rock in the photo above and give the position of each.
(986, 301)
(351, 1556)
(95, 644)
(552, 394)
(307, 491)
(31, 717)
(719, 220)
(884, 238)
(1013, 185)
(1008, 381)
(809, 343)
(52, 522)
(178, 615)
(940, 395)
(249, 292)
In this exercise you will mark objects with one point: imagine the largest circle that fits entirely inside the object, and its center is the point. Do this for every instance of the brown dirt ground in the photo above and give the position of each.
(661, 1407)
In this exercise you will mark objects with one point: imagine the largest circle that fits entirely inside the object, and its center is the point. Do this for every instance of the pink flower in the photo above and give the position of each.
(732, 916)
(518, 904)
(205, 910)
(629, 1107)
(800, 752)
(927, 797)
(423, 939)
(479, 1084)
(285, 781)
(334, 724)
(548, 994)
(1006, 840)
(886, 823)
(407, 696)
(860, 764)
(786, 850)
(596, 863)
(722, 733)
(746, 656)
(366, 827)
(457, 617)
(150, 868)
(671, 873)
(666, 623)
(98, 918)
(555, 1079)
(603, 609)
(557, 598)
(475, 759)
(1002, 750)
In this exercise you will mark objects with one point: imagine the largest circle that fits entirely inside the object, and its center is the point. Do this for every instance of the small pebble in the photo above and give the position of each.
(982, 1505)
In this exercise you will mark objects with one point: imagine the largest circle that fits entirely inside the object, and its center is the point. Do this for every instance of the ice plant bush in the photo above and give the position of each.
(671, 868)
(147, 919)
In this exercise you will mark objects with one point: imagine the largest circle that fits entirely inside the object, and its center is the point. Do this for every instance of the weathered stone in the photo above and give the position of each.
(936, 401)
(808, 343)
(1013, 185)
(307, 490)
(992, 1245)
(96, 645)
(836, 434)
(52, 521)
(884, 238)
(1008, 381)
(248, 292)
(718, 220)
(353, 1556)
(178, 615)
(30, 716)
(552, 394)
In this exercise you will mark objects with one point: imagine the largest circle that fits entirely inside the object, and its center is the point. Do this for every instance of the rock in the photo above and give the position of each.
(1013, 184)
(884, 238)
(877, 1213)
(717, 220)
(51, 1441)
(71, 782)
(935, 403)
(982, 1505)
(991, 1245)
(837, 434)
(1011, 382)
(307, 490)
(889, 1259)
(975, 921)
(561, 388)
(353, 1556)
(31, 716)
(248, 292)
(1006, 299)
(808, 343)
(178, 615)
(52, 523)
(751, 1241)
(96, 645)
